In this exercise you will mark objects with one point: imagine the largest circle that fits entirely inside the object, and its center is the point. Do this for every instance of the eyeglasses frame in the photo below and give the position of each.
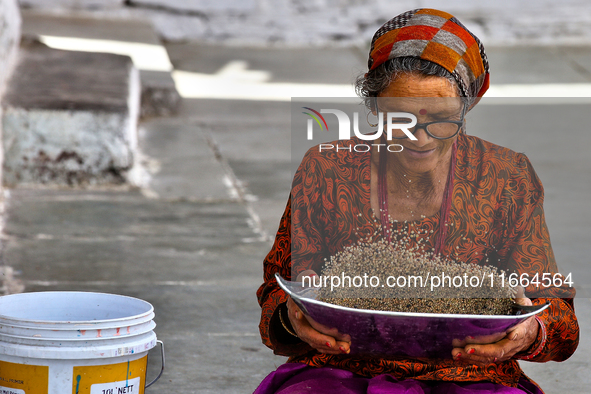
(424, 126)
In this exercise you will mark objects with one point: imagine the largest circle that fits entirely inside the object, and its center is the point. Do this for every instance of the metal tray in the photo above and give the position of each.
(429, 335)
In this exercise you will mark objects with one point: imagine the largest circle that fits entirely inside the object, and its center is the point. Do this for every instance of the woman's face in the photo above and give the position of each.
(429, 99)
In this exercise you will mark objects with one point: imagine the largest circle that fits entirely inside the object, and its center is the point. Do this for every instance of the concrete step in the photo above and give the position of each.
(159, 96)
(70, 118)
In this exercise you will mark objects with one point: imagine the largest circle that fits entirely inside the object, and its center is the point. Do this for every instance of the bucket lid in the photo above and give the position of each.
(69, 310)
(66, 324)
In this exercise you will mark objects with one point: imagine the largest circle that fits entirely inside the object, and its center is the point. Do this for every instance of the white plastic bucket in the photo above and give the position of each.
(74, 342)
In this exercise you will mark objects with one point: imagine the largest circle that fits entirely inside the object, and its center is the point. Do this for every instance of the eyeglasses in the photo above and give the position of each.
(441, 129)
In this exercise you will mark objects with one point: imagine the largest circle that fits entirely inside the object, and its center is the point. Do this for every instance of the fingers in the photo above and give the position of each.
(485, 354)
(322, 342)
(520, 297)
(468, 355)
(520, 292)
(516, 340)
(499, 347)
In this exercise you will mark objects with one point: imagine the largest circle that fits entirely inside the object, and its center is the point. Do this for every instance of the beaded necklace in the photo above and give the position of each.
(445, 204)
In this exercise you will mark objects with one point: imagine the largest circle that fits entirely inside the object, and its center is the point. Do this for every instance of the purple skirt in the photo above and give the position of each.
(296, 378)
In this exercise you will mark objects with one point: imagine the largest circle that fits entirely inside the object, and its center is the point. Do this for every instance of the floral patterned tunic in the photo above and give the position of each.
(496, 218)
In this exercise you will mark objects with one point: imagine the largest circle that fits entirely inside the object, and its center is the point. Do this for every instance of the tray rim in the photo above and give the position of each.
(282, 283)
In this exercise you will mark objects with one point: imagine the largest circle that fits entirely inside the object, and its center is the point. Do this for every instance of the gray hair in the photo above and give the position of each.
(375, 81)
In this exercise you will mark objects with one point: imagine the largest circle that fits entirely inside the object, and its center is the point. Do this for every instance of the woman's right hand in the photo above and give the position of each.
(325, 340)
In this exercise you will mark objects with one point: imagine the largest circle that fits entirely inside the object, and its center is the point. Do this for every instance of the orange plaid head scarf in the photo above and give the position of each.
(438, 37)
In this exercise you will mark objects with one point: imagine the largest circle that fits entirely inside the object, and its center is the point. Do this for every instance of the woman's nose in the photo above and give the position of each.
(422, 138)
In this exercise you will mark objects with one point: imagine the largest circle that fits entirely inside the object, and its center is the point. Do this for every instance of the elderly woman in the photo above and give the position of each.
(482, 202)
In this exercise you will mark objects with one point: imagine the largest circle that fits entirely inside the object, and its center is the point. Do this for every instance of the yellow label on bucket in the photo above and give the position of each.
(23, 378)
(123, 378)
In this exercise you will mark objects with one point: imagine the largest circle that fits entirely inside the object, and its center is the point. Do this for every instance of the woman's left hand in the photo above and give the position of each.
(487, 350)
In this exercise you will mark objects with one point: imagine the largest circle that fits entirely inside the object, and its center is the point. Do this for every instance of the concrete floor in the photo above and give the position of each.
(192, 242)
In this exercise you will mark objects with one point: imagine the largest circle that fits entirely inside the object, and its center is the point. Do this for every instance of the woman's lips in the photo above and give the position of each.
(418, 154)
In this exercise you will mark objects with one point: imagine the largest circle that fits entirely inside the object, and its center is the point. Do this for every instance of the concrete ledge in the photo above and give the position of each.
(159, 94)
(70, 118)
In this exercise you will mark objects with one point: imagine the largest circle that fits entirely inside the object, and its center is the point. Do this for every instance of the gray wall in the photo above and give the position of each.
(330, 22)
(10, 33)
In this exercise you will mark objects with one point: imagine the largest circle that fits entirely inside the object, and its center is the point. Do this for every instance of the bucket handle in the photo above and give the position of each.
(163, 362)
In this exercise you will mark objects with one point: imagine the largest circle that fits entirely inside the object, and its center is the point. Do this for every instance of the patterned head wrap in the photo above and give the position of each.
(438, 37)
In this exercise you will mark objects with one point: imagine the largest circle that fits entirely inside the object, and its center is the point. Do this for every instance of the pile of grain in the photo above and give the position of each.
(381, 259)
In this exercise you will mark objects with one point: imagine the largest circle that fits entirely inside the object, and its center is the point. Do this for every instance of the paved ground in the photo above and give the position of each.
(192, 242)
